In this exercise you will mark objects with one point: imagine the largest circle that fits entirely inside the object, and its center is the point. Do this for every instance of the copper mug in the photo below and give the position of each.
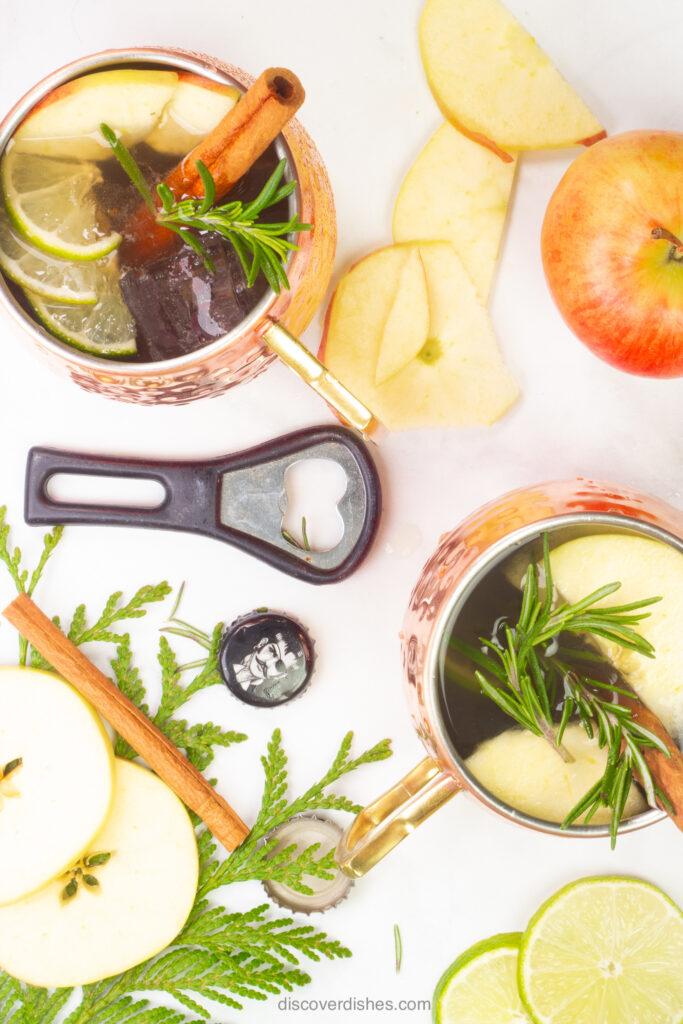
(463, 557)
(271, 327)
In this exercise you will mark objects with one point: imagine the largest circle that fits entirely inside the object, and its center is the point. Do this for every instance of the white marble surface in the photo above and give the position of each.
(466, 874)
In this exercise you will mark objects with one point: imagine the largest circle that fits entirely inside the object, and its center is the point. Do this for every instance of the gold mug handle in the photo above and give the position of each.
(383, 824)
(314, 373)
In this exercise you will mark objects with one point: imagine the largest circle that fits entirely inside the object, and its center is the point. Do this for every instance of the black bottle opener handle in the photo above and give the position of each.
(237, 498)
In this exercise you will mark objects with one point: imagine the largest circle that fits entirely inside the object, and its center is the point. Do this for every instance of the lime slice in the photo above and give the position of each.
(49, 276)
(480, 987)
(50, 203)
(604, 951)
(104, 329)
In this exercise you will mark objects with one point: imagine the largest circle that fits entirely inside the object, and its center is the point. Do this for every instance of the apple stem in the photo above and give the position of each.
(676, 252)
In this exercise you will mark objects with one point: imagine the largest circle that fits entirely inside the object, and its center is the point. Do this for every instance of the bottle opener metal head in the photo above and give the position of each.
(239, 498)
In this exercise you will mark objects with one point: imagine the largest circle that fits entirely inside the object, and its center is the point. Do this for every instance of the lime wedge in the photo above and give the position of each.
(46, 275)
(50, 203)
(604, 951)
(480, 987)
(104, 329)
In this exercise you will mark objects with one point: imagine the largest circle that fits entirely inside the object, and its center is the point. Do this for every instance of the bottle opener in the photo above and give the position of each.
(239, 498)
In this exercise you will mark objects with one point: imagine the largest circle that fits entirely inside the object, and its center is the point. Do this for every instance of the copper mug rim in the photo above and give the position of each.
(168, 57)
(453, 763)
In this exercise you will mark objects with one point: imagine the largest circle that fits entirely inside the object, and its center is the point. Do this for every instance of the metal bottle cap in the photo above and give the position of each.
(302, 831)
(266, 658)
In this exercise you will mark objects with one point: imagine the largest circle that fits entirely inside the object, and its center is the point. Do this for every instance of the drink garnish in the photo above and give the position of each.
(527, 670)
(260, 246)
(229, 151)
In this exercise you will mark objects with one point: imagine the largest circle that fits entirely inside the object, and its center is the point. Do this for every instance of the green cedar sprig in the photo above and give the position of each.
(24, 582)
(255, 858)
(198, 741)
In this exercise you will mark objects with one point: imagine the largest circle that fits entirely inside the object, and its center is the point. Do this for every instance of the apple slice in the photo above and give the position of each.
(56, 789)
(195, 108)
(135, 904)
(457, 191)
(645, 568)
(457, 379)
(525, 772)
(494, 83)
(67, 122)
(407, 326)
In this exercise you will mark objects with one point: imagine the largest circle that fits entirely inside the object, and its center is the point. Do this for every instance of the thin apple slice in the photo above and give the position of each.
(134, 905)
(645, 568)
(59, 792)
(493, 82)
(195, 108)
(457, 191)
(525, 772)
(407, 326)
(457, 379)
(67, 122)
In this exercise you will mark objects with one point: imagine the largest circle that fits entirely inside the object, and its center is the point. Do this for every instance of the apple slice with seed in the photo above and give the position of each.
(493, 82)
(122, 902)
(457, 191)
(54, 795)
(458, 377)
(407, 326)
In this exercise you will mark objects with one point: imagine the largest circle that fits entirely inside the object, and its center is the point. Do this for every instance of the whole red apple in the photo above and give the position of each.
(612, 245)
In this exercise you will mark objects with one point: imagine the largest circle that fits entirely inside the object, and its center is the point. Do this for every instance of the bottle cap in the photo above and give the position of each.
(266, 658)
(302, 831)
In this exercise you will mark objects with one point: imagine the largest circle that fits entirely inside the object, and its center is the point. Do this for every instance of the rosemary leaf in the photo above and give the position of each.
(130, 167)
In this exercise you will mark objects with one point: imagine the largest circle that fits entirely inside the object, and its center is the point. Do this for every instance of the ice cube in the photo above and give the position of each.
(179, 305)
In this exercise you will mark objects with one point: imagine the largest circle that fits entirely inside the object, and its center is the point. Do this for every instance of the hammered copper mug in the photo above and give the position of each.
(463, 557)
(274, 323)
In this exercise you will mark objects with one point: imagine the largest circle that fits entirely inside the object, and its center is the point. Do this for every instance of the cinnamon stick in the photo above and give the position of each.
(228, 151)
(158, 751)
(667, 772)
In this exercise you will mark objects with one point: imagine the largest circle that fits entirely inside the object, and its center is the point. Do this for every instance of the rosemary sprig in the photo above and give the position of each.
(398, 947)
(260, 246)
(291, 539)
(526, 673)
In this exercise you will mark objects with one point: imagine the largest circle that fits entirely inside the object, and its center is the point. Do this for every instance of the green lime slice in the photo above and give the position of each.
(46, 275)
(50, 202)
(480, 987)
(104, 329)
(604, 951)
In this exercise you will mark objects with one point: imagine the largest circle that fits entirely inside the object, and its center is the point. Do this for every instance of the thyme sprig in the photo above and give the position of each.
(525, 673)
(260, 246)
